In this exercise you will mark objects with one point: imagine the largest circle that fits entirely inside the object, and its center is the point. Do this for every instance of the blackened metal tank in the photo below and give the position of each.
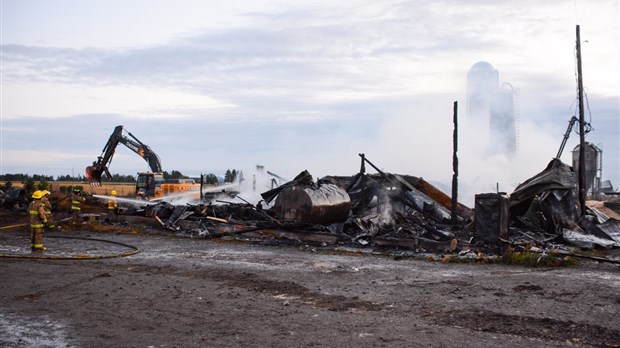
(325, 204)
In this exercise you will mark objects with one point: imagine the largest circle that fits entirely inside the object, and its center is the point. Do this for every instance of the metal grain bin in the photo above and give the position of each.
(592, 174)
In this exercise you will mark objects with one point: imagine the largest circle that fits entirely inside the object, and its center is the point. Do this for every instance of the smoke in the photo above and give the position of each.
(481, 172)
(416, 138)
(254, 182)
(417, 142)
(420, 144)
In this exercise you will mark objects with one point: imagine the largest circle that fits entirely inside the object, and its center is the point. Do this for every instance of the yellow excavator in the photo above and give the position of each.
(148, 184)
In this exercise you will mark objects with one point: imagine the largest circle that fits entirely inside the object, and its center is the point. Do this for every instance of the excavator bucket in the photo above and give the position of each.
(94, 173)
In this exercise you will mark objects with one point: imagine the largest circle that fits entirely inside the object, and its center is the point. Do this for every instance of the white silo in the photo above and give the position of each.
(482, 84)
(503, 136)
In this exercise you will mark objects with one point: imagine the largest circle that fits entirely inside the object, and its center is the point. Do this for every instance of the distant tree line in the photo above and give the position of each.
(117, 178)
(175, 174)
(70, 178)
(41, 182)
(29, 185)
(210, 179)
(233, 175)
(30, 182)
(37, 177)
(24, 177)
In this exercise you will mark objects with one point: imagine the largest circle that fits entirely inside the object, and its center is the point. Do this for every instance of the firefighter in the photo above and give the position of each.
(76, 200)
(112, 204)
(48, 210)
(38, 219)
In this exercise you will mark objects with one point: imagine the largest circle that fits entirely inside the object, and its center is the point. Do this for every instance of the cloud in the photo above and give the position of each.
(325, 52)
(318, 52)
(138, 101)
(307, 84)
(47, 162)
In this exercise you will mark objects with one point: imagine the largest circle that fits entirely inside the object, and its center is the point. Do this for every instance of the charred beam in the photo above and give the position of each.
(455, 167)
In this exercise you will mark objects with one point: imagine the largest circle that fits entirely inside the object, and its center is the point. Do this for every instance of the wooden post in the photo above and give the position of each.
(582, 161)
(363, 181)
(202, 182)
(455, 165)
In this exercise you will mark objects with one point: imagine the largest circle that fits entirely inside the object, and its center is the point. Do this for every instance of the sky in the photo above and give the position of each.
(296, 85)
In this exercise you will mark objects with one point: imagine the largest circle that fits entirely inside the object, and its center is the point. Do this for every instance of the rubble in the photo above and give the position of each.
(382, 210)
(14, 198)
(394, 211)
(390, 211)
(586, 241)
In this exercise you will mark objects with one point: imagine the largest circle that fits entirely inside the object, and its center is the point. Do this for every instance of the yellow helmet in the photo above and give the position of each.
(113, 193)
(45, 192)
(37, 194)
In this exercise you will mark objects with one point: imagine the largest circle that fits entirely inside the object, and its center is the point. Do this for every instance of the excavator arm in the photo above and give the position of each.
(94, 172)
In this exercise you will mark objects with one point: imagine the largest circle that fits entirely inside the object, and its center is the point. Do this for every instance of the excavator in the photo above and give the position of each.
(148, 184)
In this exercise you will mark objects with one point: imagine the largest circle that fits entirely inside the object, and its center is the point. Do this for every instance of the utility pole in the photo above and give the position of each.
(455, 165)
(363, 181)
(582, 160)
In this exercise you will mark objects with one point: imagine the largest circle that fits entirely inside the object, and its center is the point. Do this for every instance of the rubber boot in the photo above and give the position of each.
(38, 247)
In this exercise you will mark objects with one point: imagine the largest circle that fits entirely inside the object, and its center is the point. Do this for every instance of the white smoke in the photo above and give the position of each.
(421, 145)
(255, 181)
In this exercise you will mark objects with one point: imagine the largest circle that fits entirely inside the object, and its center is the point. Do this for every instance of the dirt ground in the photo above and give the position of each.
(182, 292)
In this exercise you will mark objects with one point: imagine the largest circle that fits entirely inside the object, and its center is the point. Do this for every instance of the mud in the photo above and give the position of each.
(210, 293)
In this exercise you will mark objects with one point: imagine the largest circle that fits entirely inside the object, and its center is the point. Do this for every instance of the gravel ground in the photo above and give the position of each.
(180, 292)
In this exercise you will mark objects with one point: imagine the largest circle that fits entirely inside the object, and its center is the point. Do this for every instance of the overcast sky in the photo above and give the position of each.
(295, 85)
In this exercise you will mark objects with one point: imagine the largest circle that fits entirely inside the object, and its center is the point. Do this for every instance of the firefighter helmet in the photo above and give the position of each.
(45, 192)
(37, 194)
(113, 193)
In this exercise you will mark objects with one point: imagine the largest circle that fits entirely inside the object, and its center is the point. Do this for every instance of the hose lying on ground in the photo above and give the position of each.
(12, 226)
(134, 250)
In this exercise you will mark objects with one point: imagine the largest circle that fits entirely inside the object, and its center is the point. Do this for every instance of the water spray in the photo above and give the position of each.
(180, 198)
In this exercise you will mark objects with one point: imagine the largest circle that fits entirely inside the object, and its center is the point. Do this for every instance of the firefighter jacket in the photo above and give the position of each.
(36, 209)
(76, 200)
(47, 205)
(112, 204)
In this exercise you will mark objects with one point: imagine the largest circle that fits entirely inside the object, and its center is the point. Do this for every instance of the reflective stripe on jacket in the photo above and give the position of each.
(75, 201)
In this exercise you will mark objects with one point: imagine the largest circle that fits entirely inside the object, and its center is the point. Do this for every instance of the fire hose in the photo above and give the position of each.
(12, 226)
(133, 250)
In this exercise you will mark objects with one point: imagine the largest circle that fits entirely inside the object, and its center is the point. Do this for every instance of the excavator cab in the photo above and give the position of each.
(148, 185)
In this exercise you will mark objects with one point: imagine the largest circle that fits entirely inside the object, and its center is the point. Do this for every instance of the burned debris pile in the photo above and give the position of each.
(14, 198)
(377, 210)
(383, 209)
(544, 210)
(386, 210)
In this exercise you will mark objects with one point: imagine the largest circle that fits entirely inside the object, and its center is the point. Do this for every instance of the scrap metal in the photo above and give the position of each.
(395, 211)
